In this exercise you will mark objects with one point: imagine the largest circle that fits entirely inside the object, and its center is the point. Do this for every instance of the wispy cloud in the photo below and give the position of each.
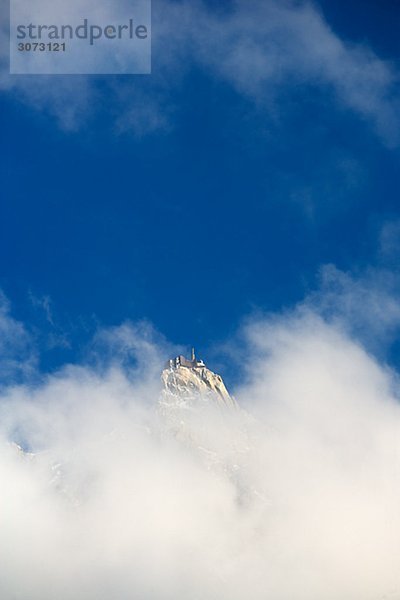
(260, 48)
(366, 304)
(18, 358)
(263, 47)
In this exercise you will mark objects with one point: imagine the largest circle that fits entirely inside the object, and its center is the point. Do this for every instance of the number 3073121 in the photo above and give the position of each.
(41, 47)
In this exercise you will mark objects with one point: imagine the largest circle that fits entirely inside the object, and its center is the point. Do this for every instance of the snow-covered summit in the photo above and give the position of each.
(188, 382)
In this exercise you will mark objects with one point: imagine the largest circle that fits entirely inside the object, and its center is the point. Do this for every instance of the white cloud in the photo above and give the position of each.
(114, 506)
(260, 48)
(17, 354)
(364, 304)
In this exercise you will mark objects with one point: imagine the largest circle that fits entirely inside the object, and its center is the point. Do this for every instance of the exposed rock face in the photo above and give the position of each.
(189, 385)
(196, 409)
(193, 402)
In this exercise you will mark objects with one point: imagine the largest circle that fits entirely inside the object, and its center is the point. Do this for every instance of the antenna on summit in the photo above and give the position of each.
(193, 355)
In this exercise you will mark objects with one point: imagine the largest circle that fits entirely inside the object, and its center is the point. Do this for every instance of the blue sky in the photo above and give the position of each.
(263, 147)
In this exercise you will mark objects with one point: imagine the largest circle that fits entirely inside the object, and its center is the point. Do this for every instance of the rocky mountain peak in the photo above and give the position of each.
(190, 381)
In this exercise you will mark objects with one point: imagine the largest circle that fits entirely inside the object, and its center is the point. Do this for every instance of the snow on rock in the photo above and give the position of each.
(197, 410)
(190, 385)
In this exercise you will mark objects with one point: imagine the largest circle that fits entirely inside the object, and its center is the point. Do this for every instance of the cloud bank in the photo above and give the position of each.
(294, 496)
